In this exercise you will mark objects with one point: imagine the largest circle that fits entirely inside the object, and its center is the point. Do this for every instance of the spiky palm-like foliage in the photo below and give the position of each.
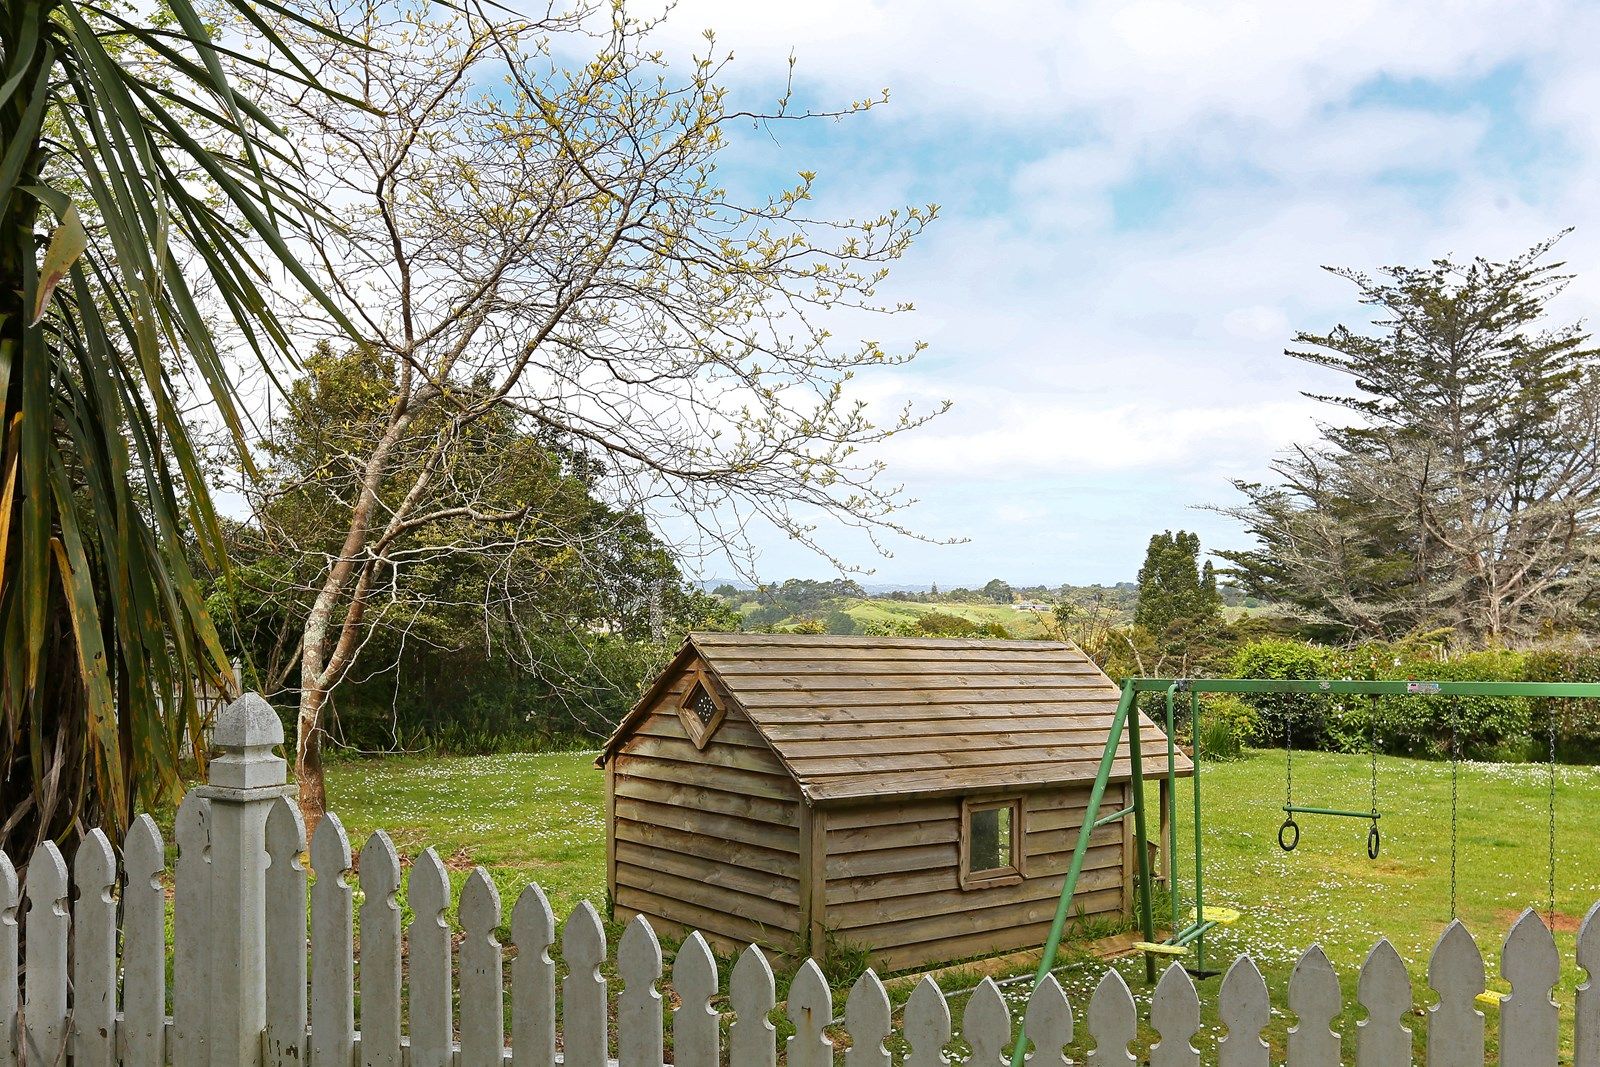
(132, 188)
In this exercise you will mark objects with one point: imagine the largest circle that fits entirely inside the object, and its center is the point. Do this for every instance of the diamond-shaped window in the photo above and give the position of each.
(701, 712)
(705, 709)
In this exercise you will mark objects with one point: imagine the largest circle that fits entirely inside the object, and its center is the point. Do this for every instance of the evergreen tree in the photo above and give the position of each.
(1174, 591)
(1466, 494)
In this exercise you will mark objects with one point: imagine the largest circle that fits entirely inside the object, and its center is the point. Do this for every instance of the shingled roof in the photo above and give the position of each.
(857, 717)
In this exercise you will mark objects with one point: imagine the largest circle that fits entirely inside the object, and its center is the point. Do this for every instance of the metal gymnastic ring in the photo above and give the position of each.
(1285, 842)
(1374, 842)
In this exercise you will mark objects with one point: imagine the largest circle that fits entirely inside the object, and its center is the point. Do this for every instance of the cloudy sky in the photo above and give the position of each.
(1137, 198)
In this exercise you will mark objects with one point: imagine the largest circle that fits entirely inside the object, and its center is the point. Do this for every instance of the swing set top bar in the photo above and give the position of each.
(1359, 687)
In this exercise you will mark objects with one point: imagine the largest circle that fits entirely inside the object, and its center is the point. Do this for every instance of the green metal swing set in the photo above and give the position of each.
(1191, 934)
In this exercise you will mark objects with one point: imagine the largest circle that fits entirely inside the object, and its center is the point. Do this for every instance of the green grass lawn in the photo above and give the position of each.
(1024, 624)
(540, 818)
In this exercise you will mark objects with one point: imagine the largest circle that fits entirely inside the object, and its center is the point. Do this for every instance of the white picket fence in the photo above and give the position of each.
(249, 987)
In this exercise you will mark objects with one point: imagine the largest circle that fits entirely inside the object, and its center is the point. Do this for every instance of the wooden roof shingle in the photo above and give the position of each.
(861, 717)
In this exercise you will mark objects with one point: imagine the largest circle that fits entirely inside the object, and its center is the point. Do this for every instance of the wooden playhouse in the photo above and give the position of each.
(916, 797)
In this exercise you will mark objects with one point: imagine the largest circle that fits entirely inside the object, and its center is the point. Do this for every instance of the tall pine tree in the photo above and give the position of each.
(1174, 590)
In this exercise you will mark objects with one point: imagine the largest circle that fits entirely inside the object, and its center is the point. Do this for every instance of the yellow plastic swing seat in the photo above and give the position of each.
(1490, 999)
(1155, 949)
(1220, 916)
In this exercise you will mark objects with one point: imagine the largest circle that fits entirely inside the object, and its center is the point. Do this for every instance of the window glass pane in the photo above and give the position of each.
(989, 839)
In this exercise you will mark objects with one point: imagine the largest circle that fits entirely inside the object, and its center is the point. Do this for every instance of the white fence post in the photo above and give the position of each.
(1175, 1015)
(1113, 1022)
(483, 1011)
(810, 1010)
(1384, 989)
(1245, 1011)
(752, 1039)
(986, 1025)
(584, 1028)
(867, 1019)
(428, 942)
(1315, 999)
(639, 1005)
(243, 781)
(927, 1028)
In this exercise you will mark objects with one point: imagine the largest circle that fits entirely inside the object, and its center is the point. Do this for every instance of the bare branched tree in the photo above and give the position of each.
(530, 238)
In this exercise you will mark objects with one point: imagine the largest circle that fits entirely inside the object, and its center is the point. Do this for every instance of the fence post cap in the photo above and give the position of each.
(247, 731)
(249, 722)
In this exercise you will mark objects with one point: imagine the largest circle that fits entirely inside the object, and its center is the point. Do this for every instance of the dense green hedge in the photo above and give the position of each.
(1505, 728)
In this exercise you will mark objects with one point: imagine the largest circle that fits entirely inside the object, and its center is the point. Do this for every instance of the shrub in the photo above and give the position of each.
(1306, 713)
(1577, 721)
(1487, 727)
(1220, 741)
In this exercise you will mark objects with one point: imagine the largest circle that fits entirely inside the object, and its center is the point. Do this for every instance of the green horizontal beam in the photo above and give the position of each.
(1357, 687)
(1197, 930)
(1332, 811)
(1113, 817)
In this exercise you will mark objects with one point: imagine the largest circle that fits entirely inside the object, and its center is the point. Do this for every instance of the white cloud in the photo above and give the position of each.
(1108, 308)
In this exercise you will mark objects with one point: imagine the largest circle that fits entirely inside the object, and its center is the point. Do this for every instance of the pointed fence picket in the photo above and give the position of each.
(84, 1002)
(867, 1018)
(1586, 1022)
(285, 1040)
(1315, 1000)
(1047, 1021)
(44, 1002)
(10, 943)
(94, 954)
(752, 992)
(1455, 1025)
(144, 946)
(432, 1017)
(380, 953)
(533, 981)
(696, 1025)
(1113, 1022)
(640, 1040)
(1175, 1015)
(191, 917)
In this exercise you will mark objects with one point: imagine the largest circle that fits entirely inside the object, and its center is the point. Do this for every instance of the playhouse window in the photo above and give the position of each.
(991, 842)
(701, 712)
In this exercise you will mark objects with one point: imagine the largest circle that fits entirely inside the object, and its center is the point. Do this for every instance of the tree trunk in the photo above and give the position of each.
(308, 759)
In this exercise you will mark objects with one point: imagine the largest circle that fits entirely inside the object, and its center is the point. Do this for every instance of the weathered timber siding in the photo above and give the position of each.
(705, 839)
(893, 877)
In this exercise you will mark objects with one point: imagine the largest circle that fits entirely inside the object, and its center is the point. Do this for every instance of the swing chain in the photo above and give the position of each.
(1372, 747)
(1288, 758)
(1373, 839)
(1550, 914)
(1455, 779)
